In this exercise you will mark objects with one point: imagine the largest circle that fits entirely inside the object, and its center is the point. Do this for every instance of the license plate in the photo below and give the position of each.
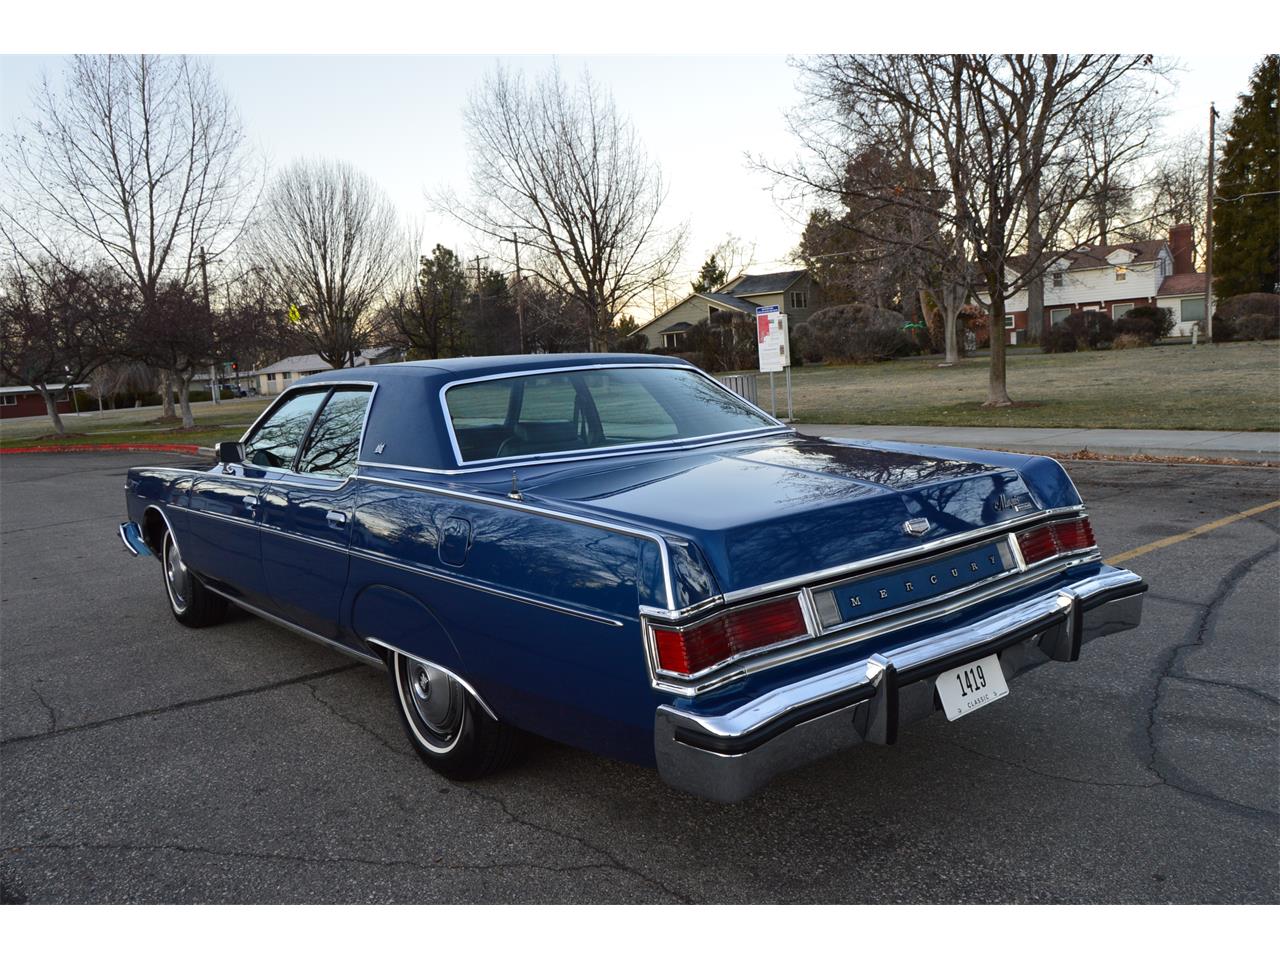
(974, 685)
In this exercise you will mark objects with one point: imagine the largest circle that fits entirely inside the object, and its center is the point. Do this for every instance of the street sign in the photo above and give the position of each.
(772, 339)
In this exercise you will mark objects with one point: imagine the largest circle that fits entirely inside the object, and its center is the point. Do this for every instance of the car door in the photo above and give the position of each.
(306, 516)
(223, 543)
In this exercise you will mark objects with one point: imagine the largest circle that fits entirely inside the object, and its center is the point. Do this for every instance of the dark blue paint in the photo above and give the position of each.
(514, 601)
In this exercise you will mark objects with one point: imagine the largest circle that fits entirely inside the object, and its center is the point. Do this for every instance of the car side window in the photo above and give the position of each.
(276, 441)
(334, 442)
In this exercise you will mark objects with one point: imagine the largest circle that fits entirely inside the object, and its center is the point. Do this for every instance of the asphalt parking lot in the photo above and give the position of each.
(144, 762)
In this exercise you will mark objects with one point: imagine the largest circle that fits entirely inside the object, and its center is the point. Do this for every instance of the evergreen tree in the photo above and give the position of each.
(711, 277)
(1247, 230)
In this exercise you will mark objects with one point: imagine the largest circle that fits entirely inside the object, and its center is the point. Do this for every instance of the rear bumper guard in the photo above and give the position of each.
(729, 756)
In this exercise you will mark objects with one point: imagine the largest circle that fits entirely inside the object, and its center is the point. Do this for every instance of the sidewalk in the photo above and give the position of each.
(1211, 444)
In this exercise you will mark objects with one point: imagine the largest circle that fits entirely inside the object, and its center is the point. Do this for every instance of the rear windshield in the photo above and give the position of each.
(587, 409)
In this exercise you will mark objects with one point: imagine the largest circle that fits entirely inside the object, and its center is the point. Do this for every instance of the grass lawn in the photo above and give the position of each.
(214, 422)
(1233, 386)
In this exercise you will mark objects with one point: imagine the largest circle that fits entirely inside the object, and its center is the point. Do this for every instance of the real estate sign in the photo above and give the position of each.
(772, 339)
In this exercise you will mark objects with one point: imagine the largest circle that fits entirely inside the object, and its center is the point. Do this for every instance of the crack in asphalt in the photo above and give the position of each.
(1175, 779)
(181, 705)
(1238, 687)
(613, 861)
(19, 848)
(53, 714)
(60, 523)
(360, 725)
(1051, 776)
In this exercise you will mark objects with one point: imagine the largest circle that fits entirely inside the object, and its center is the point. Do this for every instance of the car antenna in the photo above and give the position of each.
(515, 493)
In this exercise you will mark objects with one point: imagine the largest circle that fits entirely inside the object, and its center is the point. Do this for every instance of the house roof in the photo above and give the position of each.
(680, 327)
(765, 283)
(311, 362)
(733, 303)
(1182, 284)
(53, 387)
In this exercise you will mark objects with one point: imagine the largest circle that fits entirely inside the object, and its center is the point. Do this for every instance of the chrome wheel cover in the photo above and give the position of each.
(433, 701)
(177, 577)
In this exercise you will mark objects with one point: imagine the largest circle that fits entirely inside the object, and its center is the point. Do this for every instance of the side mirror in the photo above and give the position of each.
(229, 451)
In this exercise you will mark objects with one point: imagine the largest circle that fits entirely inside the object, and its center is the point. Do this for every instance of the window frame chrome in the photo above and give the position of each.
(621, 449)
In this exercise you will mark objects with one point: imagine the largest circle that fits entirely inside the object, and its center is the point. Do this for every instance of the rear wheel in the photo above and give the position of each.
(452, 733)
(193, 604)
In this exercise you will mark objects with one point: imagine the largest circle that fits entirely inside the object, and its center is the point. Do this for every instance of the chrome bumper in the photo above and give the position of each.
(729, 756)
(131, 537)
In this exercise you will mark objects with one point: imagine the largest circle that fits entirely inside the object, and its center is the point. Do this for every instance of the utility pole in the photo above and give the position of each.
(1208, 235)
(204, 283)
(515, 239)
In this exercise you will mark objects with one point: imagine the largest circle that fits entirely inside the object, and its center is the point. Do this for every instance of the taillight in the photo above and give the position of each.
(1054, 539)
(727, 635)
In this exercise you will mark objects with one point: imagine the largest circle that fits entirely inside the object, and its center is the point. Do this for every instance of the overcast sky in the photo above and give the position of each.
(399, 118)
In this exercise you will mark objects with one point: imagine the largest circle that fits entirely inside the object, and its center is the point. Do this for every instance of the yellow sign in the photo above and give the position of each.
(294, 315)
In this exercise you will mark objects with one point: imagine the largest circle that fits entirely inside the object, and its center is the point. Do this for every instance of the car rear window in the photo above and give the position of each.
(546, 413)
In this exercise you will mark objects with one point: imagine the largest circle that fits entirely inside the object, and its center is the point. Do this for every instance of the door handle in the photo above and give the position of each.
(337, 519)
(250, 503)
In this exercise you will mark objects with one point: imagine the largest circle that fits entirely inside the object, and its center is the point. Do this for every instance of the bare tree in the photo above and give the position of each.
(1177, 191)
(139, 159)
(1002, 136)
(330, 242)
(561, 169)
(59, 323)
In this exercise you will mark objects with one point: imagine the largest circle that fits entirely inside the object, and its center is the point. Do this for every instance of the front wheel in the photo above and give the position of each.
(193, 604)
(449, 729)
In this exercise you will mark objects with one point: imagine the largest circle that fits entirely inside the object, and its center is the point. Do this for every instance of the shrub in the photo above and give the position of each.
(1128, 341)
(1146, 322)
(851, 332)
(1058, 339)
(1224, 328)
(1091, 328)
(1249, 304)
(1259, 326)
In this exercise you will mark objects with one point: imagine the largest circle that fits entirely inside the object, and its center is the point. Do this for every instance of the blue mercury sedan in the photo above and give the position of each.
(618, 553)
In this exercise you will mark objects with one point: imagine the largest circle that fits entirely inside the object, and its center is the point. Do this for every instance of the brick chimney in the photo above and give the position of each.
(1180, 244)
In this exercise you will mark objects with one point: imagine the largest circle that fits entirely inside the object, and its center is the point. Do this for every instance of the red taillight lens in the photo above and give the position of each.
(731, 633)
(1037, 544)
(1074, 535)
(1053, 539)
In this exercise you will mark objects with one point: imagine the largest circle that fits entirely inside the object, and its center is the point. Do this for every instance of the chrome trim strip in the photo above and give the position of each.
(543, 371)
(618, 451)
(216, 516)
(309, 541)
(888, 558)
(506, 594)
(791, 652)
(290, 625)
(124, 538)
(527, 507)
(414, 657)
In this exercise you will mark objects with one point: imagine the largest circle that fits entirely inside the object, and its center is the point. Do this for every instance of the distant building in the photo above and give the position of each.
(794, 292)
(1115, 278)
(275, 378)
(23, 401)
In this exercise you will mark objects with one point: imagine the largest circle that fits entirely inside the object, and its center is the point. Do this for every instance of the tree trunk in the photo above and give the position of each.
(951, 302)
(166, 397)
(1035, 310)
(51, 405)
(997, 393)
(184, 394)
(1035, 244)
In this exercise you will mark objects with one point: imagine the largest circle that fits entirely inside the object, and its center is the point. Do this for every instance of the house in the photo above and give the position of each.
(794, 292)
(23, 401)
(1115, 278)
(275, 378)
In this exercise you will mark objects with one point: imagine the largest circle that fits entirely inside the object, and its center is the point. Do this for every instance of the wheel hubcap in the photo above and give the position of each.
(177, 575)
(436, 699)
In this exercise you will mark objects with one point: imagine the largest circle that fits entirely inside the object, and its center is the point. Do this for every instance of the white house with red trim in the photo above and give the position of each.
(1115, 278)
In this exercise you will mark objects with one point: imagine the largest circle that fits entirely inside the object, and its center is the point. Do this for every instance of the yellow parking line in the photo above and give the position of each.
(1194, 532)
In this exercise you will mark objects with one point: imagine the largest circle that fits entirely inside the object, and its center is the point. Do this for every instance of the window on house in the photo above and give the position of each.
(799, 299)
(1059, 314)
(1122, 272)
(271, 378)
(9, 400)
(1008, 322)
(1057, 278)
(1192, 310)
(672, 341)
(1118, 310)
